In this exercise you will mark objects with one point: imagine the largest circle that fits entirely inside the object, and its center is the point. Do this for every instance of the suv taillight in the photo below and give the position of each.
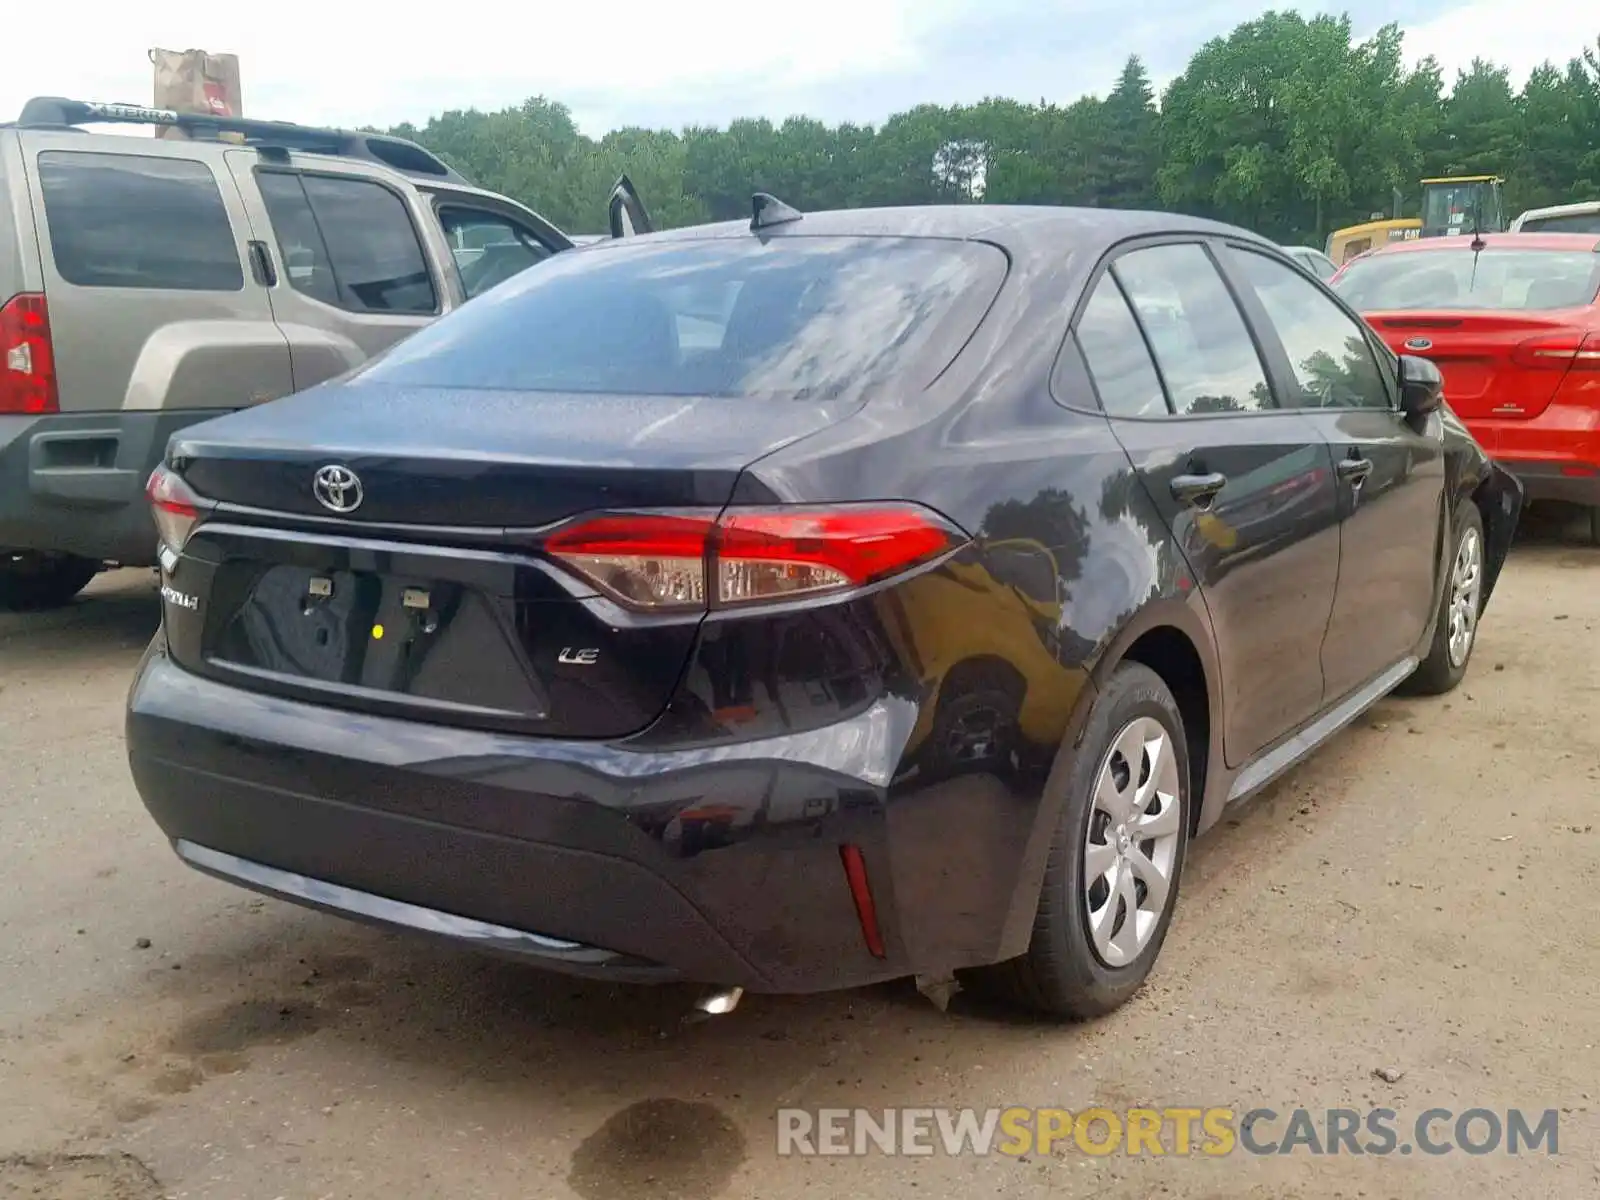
(27, 363)
(176, 508)
(682, 560)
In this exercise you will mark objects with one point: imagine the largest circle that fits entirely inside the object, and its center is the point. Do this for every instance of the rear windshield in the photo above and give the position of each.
(1586, 222)
(1500, 277)
(799, 317)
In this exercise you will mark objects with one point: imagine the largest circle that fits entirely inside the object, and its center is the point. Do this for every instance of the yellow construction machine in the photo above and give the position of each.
(1455, 204)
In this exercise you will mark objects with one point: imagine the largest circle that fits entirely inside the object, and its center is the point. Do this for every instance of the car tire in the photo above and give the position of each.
(1594, 524)
(1065, 973)
(1446, 663)
(30, 581)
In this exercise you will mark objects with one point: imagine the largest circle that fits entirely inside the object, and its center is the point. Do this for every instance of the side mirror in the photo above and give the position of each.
(1421, 386)
(626, 211)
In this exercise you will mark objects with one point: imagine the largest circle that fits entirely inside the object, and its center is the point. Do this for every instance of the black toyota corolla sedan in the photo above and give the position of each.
(802, 602)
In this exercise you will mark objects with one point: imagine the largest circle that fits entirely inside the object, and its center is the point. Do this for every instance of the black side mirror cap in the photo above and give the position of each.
(1421, 386)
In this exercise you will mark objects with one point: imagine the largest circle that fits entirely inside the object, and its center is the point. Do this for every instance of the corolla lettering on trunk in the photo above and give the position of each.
(182, 599)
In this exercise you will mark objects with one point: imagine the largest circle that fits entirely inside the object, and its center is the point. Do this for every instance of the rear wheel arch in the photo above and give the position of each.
(1172, 639)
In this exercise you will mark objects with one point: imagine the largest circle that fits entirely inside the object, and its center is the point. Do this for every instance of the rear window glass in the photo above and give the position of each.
(799, 317)
(1588, 222)
(137, 221)
(1500, 277)
(348, 242)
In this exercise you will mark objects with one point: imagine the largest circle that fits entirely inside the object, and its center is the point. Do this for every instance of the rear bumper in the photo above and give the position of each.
(73, 483)
(1544, 480)
(718, 865)
(1556, 454)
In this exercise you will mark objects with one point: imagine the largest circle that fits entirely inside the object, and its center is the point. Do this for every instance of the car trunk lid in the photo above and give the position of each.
(484, 460)
(431, 599)
(1503, 365)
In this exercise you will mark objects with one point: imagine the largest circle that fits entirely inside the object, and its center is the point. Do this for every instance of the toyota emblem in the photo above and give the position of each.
(1418, 343)
(337, 488)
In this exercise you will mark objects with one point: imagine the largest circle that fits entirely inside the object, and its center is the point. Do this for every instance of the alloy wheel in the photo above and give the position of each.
(1131, 846)
(1466, 587)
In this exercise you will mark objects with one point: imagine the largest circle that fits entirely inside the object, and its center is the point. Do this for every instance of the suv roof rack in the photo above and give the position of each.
(398, 154)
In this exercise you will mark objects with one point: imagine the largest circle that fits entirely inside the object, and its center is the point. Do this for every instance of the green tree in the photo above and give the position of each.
(1129, 143)
(1286, 125)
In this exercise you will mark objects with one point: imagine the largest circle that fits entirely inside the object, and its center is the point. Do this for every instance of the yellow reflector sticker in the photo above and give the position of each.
(377, 633)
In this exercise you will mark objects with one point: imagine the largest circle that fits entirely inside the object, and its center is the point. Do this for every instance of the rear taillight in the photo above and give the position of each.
(176, 507)
(27, 362)
(749, 555)
(1570, 349)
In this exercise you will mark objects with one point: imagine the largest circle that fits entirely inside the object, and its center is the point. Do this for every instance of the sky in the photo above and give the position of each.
(645, 62)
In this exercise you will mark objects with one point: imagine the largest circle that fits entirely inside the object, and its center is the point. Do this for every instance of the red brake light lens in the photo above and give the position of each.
(175, 505)
(767, 555)
(1569, 349)
(750, 556)
(27, 361)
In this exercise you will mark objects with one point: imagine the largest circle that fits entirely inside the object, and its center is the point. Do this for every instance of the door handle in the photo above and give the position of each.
(1198, 490)
(261, 265)
(1355, 470)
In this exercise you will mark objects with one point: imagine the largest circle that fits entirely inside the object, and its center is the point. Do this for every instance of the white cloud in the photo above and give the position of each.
(340, 62)
(1512, 35)
(644, 61)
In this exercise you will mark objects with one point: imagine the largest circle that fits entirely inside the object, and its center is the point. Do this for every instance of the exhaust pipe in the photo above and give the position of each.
(717, 1004)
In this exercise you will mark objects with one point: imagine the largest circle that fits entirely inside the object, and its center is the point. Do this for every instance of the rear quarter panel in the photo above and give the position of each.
(988, 447)
(19, 245)
(1471, 475)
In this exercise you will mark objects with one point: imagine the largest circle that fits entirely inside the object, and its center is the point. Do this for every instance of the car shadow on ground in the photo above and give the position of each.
(1554, 525)
(659, 1099)
(112, 620)
(655, 1100)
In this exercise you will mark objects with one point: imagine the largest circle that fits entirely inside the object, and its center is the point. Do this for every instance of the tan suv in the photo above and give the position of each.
(146, 284)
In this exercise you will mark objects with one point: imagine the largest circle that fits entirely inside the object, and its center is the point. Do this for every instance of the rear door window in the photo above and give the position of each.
(794, 317)
(1201, 342)
(1118, 360)
(349, 243)
(138, 221)
(1327, 348)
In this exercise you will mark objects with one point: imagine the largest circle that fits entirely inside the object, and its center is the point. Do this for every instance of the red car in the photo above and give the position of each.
(1513, 323)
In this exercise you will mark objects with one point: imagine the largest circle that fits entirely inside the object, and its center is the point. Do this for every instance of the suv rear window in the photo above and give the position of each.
(137, 221)
(1504, 278)
(1588, 222)
(800, 317)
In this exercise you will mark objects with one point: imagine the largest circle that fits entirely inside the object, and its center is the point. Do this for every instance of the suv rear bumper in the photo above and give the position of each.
(1544, 480)
(73, 483)
(718, 865)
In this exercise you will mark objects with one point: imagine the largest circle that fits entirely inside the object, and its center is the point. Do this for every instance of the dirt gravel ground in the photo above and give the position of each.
(1420, 897)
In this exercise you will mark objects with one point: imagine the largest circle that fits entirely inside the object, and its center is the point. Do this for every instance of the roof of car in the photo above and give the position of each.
(1014, 227)
(1524, 241)
(1562, 210)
